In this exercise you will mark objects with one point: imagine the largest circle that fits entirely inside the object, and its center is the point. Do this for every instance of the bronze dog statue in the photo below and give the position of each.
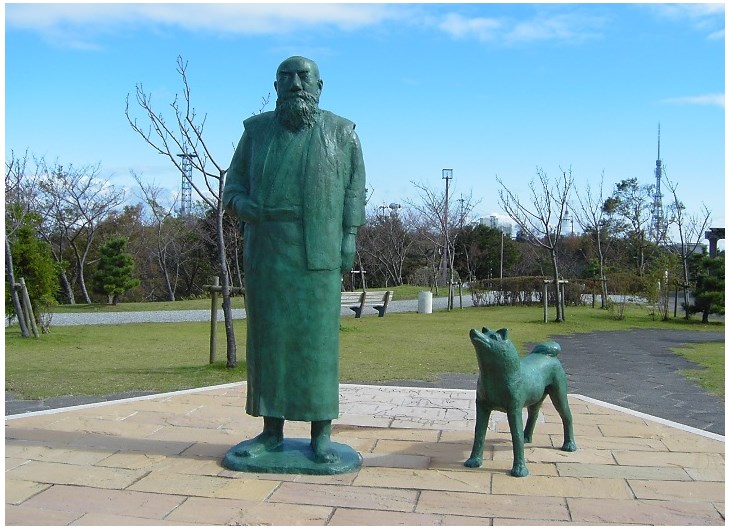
(509, 383)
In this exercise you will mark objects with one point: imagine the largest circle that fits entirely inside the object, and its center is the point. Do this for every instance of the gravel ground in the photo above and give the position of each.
(76, 319)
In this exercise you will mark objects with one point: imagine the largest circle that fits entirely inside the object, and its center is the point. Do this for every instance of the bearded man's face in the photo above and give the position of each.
(298, 87)
(297, 112)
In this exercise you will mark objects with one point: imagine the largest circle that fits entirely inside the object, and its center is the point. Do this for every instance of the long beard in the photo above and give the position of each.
(297, 113)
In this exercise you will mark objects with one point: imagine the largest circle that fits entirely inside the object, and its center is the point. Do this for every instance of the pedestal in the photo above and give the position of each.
(295, 456)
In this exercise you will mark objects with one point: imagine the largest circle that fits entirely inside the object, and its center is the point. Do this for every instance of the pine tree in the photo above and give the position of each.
(709, 291)
(114, 274)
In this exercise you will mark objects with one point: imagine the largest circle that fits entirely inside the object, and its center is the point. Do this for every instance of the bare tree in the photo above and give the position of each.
(386, 240)
(182, 138)
(597, 223)
(541, 220)
(690, 230)
(75, 201)
(166, 234)
(440, 227)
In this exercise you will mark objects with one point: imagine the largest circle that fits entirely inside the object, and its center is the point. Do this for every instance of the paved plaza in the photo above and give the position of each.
(155, 460)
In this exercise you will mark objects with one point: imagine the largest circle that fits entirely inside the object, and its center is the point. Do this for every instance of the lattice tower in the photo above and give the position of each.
(186, 197)
(657, 226)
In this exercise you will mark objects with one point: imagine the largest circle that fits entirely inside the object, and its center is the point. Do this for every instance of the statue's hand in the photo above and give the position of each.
(348, 251)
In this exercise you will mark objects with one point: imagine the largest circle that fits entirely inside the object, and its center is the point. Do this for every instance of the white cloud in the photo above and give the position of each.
(686, 10)
(459, 26)
(80, 24)
(563, 27)
(706, 99)
(704, 17)
(547, 25)
(716, 35)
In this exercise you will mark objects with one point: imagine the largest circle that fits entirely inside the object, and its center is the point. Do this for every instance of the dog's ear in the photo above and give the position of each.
(485, 330)
(503, 332)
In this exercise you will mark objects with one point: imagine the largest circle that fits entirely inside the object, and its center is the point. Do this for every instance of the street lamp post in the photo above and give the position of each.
(448, 176)
(501, 267)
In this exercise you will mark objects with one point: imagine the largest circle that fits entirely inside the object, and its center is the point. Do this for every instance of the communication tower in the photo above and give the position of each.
(186, 197)
(657, 227)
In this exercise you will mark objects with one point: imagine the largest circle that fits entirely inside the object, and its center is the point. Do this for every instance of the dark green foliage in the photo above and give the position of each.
(114, 274)
(478, 252)
(32, 261)
(709, 291)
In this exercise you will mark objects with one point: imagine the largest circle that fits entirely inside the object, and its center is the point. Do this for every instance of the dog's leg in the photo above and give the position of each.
(518, 469)
(558, 395)
(532, 421)
(483, 412)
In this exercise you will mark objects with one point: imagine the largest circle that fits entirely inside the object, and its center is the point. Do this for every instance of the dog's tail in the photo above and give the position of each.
(548, 348)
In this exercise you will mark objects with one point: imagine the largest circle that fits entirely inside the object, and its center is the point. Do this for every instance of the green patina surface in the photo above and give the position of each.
(297, 185)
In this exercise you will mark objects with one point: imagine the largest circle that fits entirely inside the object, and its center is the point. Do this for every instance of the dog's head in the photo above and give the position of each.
(493, 346)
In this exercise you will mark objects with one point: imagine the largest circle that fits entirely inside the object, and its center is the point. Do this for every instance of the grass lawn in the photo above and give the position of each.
(710, 360)
(103, 359)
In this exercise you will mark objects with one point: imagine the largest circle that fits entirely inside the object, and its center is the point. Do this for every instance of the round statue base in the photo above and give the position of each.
(295, 456)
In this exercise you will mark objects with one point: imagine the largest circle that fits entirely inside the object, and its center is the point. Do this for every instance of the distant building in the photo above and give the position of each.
(493, 222)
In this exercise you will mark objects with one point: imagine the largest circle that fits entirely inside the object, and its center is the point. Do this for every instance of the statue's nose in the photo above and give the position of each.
(296, 83)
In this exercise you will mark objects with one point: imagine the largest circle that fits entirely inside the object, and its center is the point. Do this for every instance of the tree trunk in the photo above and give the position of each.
(225, 283)
(65, 283)
(603, 279)
(67, 288)
(687, 313)
(82, 285)
(557, 290)
(238, 273)
(80, 261)
(163, 266)
(13, 292)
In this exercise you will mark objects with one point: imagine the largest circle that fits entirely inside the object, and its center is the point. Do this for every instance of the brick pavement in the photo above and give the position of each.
(155, 460)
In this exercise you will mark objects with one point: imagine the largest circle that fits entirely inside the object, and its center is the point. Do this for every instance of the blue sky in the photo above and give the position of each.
(486, 89)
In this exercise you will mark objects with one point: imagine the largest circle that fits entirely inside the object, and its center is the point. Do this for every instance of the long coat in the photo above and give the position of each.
(297, 195)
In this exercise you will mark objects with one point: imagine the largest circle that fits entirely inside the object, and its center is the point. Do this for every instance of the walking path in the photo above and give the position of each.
(175, 316)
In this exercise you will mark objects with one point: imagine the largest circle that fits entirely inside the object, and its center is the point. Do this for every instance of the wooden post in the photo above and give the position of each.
(214, 318)
(675, 303)
(546, 301)
(14, 287)
(215, 288)
(18, 303)
(28, 308)
(593, 294)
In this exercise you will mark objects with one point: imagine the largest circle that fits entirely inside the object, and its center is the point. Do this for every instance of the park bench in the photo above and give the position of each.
(357, 301)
